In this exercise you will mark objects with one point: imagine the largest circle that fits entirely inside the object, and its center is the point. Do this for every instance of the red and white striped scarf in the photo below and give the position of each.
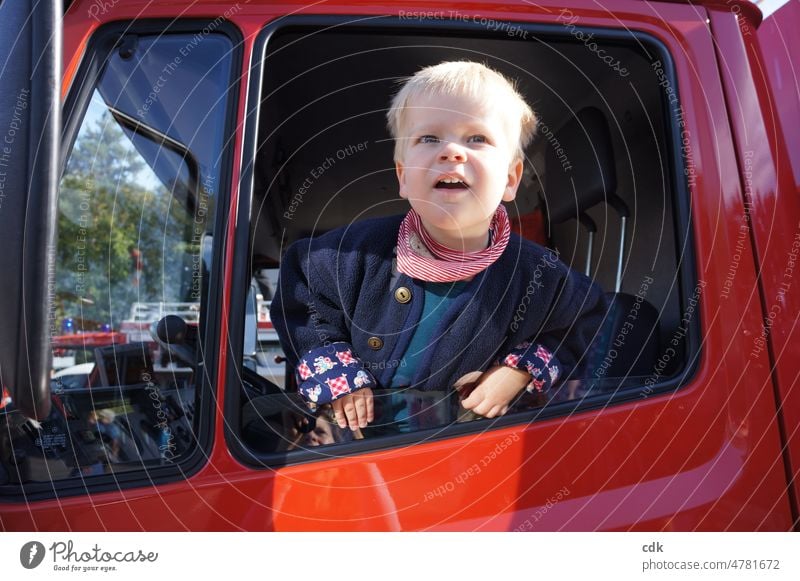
(421, 257)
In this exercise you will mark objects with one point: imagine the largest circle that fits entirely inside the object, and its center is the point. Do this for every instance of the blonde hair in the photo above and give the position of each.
(104, 414)
(468, 79)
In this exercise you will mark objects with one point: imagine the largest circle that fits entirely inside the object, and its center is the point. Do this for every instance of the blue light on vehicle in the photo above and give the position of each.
(68, 326)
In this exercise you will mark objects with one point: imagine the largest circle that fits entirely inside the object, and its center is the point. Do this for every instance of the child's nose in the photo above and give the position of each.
(452, 152)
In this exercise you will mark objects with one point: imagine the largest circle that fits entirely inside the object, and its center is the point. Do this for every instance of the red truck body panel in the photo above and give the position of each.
(773, 209)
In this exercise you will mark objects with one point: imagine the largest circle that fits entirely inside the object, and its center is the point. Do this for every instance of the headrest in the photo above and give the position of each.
(580, 153)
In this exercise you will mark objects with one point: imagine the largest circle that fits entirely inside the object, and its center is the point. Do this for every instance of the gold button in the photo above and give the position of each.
(375, 343)
(402, 295)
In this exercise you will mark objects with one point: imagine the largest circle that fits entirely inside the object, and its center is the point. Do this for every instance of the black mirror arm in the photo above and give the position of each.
(31, 389)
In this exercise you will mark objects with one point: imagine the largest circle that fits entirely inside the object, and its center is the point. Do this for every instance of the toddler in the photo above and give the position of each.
(445, 295)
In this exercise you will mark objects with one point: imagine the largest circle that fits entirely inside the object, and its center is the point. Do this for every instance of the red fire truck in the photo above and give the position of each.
(188, 143)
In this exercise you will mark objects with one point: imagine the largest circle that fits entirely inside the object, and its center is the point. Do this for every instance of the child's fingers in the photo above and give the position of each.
(360, 411)
(370, 405)
(350, 412)
(496, 411)
(338, 411)
(481, 402)
(486, 409)
(477, 404)
(485, 406)
(467, 383)
(354, 410)
(472, 400)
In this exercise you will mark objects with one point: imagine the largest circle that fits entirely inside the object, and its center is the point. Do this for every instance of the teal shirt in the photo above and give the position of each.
(438, 296)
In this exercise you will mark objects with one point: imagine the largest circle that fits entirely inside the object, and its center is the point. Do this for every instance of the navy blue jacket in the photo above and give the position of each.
(338, 313)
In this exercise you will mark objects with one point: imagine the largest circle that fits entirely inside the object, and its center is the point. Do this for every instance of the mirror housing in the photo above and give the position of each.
(30, 135)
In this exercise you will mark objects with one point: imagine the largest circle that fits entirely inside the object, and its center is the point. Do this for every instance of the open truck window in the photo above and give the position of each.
(605, 185)
(137, 200)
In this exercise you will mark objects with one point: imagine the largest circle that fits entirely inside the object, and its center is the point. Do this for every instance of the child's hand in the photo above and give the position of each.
(496, 388)
(354, 410)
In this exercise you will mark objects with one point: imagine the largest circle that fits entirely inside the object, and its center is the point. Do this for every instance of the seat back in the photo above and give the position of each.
(580, 174)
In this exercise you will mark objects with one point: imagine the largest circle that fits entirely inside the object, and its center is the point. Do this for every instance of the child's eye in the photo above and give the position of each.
(429, 139)
(477, 139)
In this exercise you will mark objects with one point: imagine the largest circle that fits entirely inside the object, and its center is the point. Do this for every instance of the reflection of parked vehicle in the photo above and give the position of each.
(207, 137)
(143, 315)
(77, 348)
(75, 377)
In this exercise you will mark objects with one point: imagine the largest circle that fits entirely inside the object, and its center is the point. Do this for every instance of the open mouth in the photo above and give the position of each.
(451, 184)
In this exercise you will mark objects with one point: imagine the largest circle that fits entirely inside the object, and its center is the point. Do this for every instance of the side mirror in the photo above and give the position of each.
(30, 135)
(173, 334)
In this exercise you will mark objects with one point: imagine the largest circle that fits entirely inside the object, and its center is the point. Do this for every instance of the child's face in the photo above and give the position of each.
(453, 139)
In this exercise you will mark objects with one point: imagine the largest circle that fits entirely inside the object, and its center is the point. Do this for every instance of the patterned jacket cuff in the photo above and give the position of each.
(327, 373)
(538, 361)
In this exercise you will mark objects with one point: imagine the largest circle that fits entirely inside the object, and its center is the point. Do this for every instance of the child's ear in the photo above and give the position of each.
(398, 166)
(514, 178)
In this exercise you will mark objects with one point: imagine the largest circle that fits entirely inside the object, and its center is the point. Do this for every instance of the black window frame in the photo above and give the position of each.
(682, 218)
(102, 43)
